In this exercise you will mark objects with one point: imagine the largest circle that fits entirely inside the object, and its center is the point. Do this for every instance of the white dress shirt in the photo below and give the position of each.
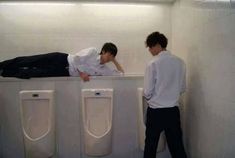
(164, 80)
(88, 61)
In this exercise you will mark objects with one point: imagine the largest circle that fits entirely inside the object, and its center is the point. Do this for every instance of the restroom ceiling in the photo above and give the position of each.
(118, 1)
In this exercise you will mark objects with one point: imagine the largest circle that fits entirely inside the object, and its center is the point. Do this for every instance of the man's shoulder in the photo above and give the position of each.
(88, 51)
(91, 50)
(171, 56)
(178, 58)
(153, 61)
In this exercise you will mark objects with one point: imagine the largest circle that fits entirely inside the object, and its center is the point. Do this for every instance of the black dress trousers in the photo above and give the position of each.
(44, 65)
(167, 120)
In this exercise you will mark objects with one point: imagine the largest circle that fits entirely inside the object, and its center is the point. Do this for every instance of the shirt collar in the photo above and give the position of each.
(164, 52)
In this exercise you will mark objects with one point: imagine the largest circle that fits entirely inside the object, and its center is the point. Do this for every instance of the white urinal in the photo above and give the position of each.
(37, 117)
(142, 111)
(97, 109)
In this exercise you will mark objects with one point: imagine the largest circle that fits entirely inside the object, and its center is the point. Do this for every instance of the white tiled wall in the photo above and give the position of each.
(32, 29)
(203, 34)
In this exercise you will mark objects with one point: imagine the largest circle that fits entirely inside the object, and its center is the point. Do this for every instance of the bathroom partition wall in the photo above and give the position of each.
(68, 115)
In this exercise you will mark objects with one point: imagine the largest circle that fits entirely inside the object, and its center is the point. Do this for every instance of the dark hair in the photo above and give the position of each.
(109, 47)
(156, 38)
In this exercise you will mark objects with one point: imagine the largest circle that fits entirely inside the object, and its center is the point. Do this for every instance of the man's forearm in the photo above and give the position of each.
(118, 66)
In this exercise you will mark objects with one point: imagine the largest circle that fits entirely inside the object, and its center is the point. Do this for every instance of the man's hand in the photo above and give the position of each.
(84, 76)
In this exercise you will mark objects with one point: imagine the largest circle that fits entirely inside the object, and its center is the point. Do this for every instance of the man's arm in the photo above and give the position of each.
(81, 58)
(149, 82)
(84, 76)
(183, 85)
(118, 66)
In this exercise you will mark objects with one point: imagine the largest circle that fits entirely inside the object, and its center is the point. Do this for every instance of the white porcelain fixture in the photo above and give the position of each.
(37, 117)
(97, 109)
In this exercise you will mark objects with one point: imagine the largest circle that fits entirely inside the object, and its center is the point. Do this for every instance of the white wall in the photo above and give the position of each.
(204, 35)
(41, 28)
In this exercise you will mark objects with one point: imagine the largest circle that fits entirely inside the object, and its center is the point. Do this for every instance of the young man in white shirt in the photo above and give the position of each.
(87, 62)
(164, 82)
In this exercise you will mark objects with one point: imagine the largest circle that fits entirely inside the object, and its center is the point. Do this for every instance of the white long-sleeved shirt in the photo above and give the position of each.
(88, 61)
(164, 80)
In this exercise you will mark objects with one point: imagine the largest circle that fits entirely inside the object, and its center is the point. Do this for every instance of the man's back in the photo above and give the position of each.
(169, 80)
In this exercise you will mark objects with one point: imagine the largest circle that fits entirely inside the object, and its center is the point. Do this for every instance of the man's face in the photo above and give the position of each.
(155, 50)
(106, 57)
